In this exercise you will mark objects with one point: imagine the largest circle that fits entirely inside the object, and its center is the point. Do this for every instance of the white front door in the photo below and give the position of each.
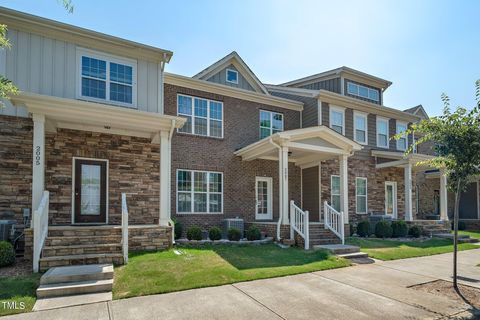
(263, 197)
(391, 198)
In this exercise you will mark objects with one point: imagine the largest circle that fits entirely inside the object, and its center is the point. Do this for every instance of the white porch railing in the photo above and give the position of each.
(124, 228)
(40, 229)
(299, 223)
(334, 221)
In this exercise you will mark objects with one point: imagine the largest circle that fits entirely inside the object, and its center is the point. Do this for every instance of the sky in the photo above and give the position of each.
(424, 47)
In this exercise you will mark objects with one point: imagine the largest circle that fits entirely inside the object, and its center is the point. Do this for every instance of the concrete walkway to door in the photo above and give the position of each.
(372, 291)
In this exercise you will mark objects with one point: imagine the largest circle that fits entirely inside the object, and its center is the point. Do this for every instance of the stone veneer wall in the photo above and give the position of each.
(133, 167)
(426, 187)
(149, 238)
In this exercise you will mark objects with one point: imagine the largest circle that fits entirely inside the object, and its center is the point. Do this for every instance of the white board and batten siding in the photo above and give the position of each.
(47, 66)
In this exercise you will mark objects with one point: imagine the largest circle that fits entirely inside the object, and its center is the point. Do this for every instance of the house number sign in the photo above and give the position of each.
(38, 151)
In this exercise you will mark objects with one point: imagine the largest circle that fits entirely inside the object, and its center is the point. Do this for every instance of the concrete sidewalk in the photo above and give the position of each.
(373, 291)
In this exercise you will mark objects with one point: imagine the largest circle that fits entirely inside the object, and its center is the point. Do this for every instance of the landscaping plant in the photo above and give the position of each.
(383, 229)
(253, 233)
(215, 233)
(415, 231)
(234, 234)
(177, 229)
(399, 229)
(363, 228)
(194, 233)
(7, 254)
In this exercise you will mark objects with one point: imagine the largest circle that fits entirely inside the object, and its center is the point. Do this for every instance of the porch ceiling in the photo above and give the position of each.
(400, 160)
(305, 146)
(98, 117)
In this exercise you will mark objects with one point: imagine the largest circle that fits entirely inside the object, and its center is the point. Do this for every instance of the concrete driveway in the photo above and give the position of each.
(372, 291)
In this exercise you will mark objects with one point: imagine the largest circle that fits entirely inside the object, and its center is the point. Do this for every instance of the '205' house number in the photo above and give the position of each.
(37, 155)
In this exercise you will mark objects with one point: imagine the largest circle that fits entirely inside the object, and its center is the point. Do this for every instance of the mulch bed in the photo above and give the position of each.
(445, 289)
(21, 267)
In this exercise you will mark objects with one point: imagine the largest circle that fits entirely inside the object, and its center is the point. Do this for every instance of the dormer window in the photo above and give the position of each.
(104, 78)
(363, 91)
(232, 76)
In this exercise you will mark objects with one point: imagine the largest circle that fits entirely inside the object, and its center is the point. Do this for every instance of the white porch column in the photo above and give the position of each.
(343, 162)
(443, 196)
(284, 184)
(38, 171)
(164, 177)
(408, 192)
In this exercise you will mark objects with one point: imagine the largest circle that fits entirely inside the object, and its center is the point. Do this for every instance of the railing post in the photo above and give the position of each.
(292, 219)
(325, 213)
(124, 228)
(307, 231)
(342, 227)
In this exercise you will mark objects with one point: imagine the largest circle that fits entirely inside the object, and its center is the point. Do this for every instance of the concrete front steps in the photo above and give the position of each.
(74, 285)
(462, 238)
(81, 245)
(343, 250)
(321, 236)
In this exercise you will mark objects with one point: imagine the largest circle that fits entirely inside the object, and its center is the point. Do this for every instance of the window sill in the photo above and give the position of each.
(198, 213)
(108, 103)
(199, 136)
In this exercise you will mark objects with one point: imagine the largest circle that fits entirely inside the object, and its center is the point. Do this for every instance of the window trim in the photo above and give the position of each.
(192, 192)
(361, 195)
(340, 110)
(387, 120)
(226, 75)
(108, 58)
(208, 116)
(331, 190)
(405, 124)
(271, 122)
(365, 116)
(357, 94)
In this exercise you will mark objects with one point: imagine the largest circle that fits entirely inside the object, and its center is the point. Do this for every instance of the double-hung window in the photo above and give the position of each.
(361, 194)
(382, 132)
(363, 91)
(199, 191)
(335, 192)
(360, 127)
(337, 119)
(402, 143)
(204, 117)
(270, 123)
(104, 78)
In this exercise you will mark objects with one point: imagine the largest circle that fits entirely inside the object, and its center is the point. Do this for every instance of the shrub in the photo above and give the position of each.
(415, 231)
(215, 233)
(461, 225)
(363, 228)
(177, 229)
(399, 229)
(352, 230)
(383, 229)
(194, 233)
(7, 254)
(234, 234)
(253, 233)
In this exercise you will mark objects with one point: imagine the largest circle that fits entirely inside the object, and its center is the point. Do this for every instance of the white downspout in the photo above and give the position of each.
(279, 222)
(169, 188)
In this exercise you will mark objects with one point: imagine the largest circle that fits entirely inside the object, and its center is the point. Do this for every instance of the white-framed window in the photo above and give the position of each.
(360, 127)
(204, 117)
(361, 195)
(270, 123)
(402, 143)
(232, 76)
(363, 91)
(382, 132)
(106, 78)
(335, 192)
(337, 119)
(199, 191)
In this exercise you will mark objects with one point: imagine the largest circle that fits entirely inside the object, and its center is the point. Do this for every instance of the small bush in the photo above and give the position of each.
(234, 234)
(177, 229)
(363, 228)
(383, 229)
(215, 233)
(415, 231)
(399, 229)
(7, 254)
(352, 230)
(194, 233)
(253, 233)
(461, 225)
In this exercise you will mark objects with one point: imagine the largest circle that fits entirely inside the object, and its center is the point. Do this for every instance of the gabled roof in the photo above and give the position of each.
(235, 59)
(356, 74)
(418, 111)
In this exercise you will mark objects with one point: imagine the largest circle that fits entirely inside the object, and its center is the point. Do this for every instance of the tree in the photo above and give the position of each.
(457, 145)
(7, 87)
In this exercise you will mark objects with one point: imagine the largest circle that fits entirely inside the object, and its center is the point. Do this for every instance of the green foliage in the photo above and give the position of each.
(461, 225)
(215, 233)
(253, 233)
(234, 234)
(68, 5)
(415, 231)
(7, 254)
(383, 229)
(194, 233)
(363, 228)
(178, 229)
(399, 228)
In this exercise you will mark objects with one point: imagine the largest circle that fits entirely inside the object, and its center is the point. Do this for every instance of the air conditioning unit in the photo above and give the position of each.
(236, 223)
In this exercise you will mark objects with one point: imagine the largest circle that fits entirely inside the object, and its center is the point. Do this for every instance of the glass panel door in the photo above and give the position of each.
(263, 191)
(391, 198)
(90, 195)
(90, 192)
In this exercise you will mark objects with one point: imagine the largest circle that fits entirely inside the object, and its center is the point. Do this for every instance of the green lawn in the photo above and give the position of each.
(18, 290)
(472, 234)
(195, 267)
(393, 250)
